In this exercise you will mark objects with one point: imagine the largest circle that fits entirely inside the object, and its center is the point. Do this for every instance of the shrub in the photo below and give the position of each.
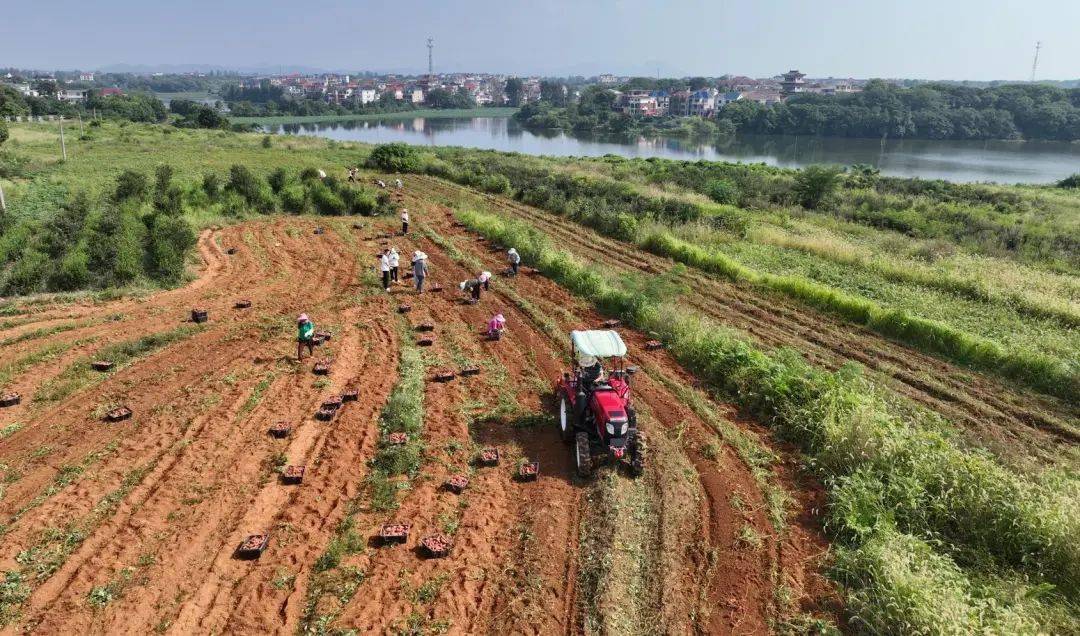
(3, 132)
(325, 200)
(170, 238)
(1071, 181)
(814, 184)
(722, 191)
(212, 186)
(293, 198)
(131, 185)
(244, 183)
(396, 157)
(277, 180)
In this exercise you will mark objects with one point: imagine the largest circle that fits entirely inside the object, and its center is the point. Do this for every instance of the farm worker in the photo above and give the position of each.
(515, 260)
(591, 370)
(485, 278)
(322, 174)
(395, 264)
(404, 221)
(496, 326)
(472, 286)
(305, 336)
(384, 267)
(398, 184)
(382, 184)
(419, 270)
(352, 175)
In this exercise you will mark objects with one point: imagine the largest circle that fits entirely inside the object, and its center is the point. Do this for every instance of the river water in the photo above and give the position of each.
(965, 161)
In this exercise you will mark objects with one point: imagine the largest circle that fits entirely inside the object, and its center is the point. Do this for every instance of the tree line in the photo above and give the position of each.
(927, 111)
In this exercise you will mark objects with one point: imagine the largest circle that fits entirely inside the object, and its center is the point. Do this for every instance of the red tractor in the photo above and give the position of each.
(594, 404)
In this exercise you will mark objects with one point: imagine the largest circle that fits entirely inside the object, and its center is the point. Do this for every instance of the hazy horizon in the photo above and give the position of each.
(959, 40)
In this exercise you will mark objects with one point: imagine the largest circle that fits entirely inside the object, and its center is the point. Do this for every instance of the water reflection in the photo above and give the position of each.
(1008, 162)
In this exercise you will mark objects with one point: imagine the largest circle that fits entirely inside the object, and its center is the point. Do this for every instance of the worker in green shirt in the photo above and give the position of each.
(305, 336)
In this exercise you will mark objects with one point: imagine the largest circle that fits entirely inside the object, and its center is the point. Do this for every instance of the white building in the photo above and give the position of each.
(416, 96)
(367, 95)
(71, 94)
(86, 77)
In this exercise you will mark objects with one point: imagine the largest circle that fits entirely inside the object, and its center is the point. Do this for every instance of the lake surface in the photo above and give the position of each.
(966, 161)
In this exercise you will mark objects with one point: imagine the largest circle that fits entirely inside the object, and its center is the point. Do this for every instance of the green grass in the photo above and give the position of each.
(427, 113)
(898, 484)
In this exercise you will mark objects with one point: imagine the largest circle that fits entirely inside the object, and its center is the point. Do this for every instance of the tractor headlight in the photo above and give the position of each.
(616, 428)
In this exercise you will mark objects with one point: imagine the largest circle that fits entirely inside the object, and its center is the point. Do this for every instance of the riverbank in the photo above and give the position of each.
(427, 113)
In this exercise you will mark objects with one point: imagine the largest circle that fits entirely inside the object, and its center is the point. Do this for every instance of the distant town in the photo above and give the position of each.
(482, 89)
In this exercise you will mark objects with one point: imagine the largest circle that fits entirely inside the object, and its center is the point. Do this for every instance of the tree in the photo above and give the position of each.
(3, 132)
(814, 184)
(554, 93)
(515, 91)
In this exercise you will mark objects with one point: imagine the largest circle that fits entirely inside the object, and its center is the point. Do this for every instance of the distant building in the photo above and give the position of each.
(109, 91)
(702, 103)
(723, 99)
(607, 78)
(793, 83)
(71, 94)
(416, 96)
(639, 103)
(367, 95)
(86, 77)
(765, 98)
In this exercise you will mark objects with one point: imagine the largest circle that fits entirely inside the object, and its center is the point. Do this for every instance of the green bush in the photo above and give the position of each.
(722, 191)
(325, 200)
(293, 198)
(1071, 181)
(396, 157)
(170, 238)
(131, 185)
(814, 184)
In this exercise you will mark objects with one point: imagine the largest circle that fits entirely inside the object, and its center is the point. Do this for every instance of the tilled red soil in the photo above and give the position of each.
(154, 507)
(998, 416)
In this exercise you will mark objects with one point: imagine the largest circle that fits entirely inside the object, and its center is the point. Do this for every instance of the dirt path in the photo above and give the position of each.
(132, 527)
(998, 416)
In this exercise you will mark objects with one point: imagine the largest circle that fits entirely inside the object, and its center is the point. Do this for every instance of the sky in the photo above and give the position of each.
(925, 39)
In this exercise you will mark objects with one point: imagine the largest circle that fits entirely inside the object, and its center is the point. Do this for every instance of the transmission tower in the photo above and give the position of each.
(1035, 63)
(430, 66)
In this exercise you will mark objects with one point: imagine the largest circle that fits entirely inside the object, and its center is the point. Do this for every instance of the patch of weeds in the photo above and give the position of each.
(427, 592)
(10, 429)
(283, 580)
(750, 537)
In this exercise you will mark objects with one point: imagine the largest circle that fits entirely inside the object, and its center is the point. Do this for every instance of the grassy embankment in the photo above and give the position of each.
(426, 113)
(932, 537)
(984, 298)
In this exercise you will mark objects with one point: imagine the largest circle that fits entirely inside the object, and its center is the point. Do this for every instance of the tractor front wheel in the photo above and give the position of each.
(566, 424)
(637, 454)
(583, 455)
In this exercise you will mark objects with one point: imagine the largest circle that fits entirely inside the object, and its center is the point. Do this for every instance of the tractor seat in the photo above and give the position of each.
(603, 386)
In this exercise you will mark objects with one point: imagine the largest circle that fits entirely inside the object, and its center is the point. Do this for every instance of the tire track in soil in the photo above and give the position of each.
(748, 603)
(996, 414)
(494, 500)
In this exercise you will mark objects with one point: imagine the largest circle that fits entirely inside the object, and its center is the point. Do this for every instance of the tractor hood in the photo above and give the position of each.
(598, 344)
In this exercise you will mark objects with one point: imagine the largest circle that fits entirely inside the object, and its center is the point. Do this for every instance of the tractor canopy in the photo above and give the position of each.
(598, 344)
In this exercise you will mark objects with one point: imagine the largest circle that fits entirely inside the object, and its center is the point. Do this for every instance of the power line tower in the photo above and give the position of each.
(430, 66)
(1035, 63)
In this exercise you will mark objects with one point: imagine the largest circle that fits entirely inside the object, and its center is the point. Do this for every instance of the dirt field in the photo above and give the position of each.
(132, 527)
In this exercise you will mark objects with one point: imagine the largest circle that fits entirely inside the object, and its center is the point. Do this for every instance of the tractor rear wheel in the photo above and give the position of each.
(566, 422)
(583, 455)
